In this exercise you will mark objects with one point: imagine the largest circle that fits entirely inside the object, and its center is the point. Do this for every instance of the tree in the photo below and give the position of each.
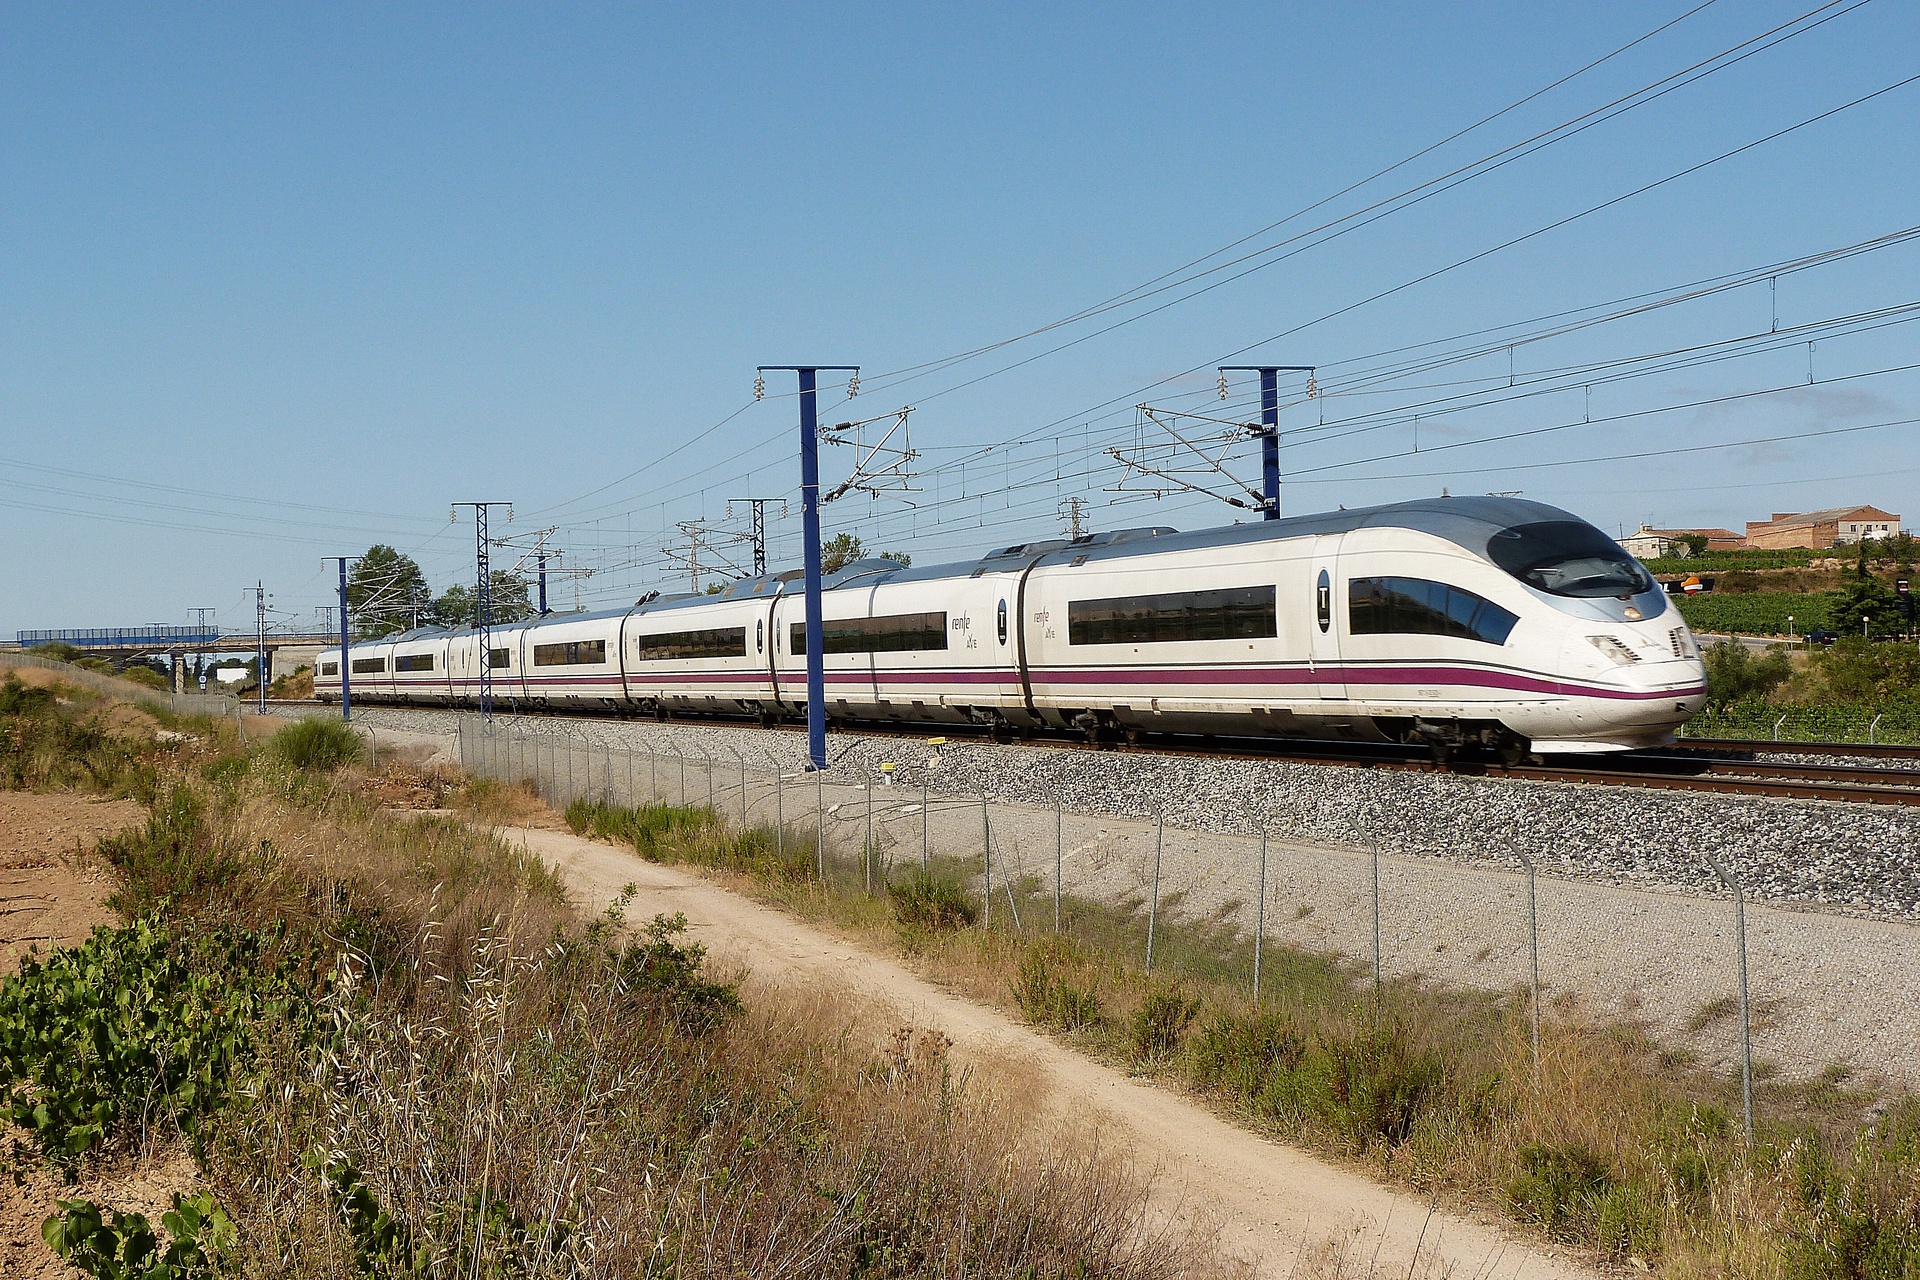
(509, 604)
(842, 549)
(387, 592)
(839, 551)
(1864, 605)
(1695, 544)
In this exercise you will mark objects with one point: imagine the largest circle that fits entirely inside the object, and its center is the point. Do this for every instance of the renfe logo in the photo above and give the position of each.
(962, 622)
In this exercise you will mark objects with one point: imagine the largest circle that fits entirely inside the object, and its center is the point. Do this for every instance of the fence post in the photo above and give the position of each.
(1374, 848)
(1153, 904)
(925, 801)
(1533, 947)
(1059, 847)
(681, 757)
(706, 766)
(1872, 727)
(569, 799)
(743, 790)
(1260, 915)
(986, 862)
(866, 850)
(779, 815)
(820, 822)
(1746, 1021)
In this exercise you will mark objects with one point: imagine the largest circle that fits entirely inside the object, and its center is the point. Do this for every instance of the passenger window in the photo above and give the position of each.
(1323, 600)
(1003, 622)
(1415, 606)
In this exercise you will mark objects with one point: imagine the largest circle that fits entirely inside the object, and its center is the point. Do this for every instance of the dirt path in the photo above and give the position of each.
(1273, 1203)
(50, 894)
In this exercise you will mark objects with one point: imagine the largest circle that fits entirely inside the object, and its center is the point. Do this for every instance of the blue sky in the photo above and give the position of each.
(282, 282)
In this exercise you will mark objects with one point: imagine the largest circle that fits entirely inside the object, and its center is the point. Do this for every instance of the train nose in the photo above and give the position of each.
(1645, 675)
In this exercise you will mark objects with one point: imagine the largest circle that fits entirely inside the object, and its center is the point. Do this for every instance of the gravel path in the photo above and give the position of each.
(1857, 859)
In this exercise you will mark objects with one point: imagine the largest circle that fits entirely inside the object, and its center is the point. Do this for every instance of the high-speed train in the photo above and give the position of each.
(1488, 622)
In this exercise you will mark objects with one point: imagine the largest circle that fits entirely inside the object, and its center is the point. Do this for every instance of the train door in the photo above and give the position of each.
(1323, 631)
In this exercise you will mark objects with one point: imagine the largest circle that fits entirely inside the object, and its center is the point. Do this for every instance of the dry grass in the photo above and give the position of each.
(1610, 1145)
(509, 1089)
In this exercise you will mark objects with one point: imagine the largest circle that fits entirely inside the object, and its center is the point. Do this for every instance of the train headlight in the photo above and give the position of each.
(1613, 648)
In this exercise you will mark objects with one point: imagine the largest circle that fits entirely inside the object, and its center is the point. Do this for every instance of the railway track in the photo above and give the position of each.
(1727, 767)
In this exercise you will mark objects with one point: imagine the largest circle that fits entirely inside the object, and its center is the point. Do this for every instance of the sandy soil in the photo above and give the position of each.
(50, 891)
(1272, 1204)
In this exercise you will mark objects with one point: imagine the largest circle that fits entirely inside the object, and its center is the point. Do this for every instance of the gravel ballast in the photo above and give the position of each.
(1859, 859)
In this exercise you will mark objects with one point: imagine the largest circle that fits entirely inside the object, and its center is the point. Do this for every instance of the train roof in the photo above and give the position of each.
(1467, 522)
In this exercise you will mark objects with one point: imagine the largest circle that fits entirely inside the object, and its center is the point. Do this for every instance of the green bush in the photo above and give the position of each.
(1048, 999)
(1734, 672)
(646, 828)
(931, 900)
(660, 966)
(1861, 1216)
(1161, 1020)
(139, 1024)
(317, 743)
(178, 858)
(1244, 1055)
(1376, 1082)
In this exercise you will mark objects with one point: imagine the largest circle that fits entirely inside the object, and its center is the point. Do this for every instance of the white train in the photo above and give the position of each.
(1448, 621)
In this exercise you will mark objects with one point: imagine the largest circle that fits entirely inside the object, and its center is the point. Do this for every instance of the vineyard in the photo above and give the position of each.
(1761, 613)
(1895, 722)
(1730, 561)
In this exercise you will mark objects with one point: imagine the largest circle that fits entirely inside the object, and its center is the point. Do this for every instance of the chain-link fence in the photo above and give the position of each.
(1758, 719)
(186, 704)
(1714, 981)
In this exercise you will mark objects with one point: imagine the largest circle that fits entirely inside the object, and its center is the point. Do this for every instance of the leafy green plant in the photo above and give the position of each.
(140, 1023)
(931, 900)
(659, 965)
(110, 1245)
(318, 743)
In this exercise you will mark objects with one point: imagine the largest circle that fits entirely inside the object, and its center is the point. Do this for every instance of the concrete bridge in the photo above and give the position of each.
(285, 650)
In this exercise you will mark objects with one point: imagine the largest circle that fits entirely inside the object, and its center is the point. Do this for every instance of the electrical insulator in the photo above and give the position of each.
(759, 387)
(1313, 388)
(1223, 386)
(729, 511)
(853, 386)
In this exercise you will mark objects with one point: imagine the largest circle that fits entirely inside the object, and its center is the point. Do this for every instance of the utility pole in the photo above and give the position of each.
(810, 522)
(483, 598)
(1269, 430)
(260, 644)
(757, 530)
(1074, 511)
(346, 662)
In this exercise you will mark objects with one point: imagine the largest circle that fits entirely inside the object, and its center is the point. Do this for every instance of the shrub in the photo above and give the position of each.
(177, 858)
(44, 744)
(931, 900)
(660, 966)
(1376, 1083)
(1048, 999)
(137, 1024)
(646, 828)
(1734, 673)
(1161, 1020)
(1245, 1055)
(317, 743)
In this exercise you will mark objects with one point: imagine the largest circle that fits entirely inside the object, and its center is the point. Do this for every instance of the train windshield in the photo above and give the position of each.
(1568, 558)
